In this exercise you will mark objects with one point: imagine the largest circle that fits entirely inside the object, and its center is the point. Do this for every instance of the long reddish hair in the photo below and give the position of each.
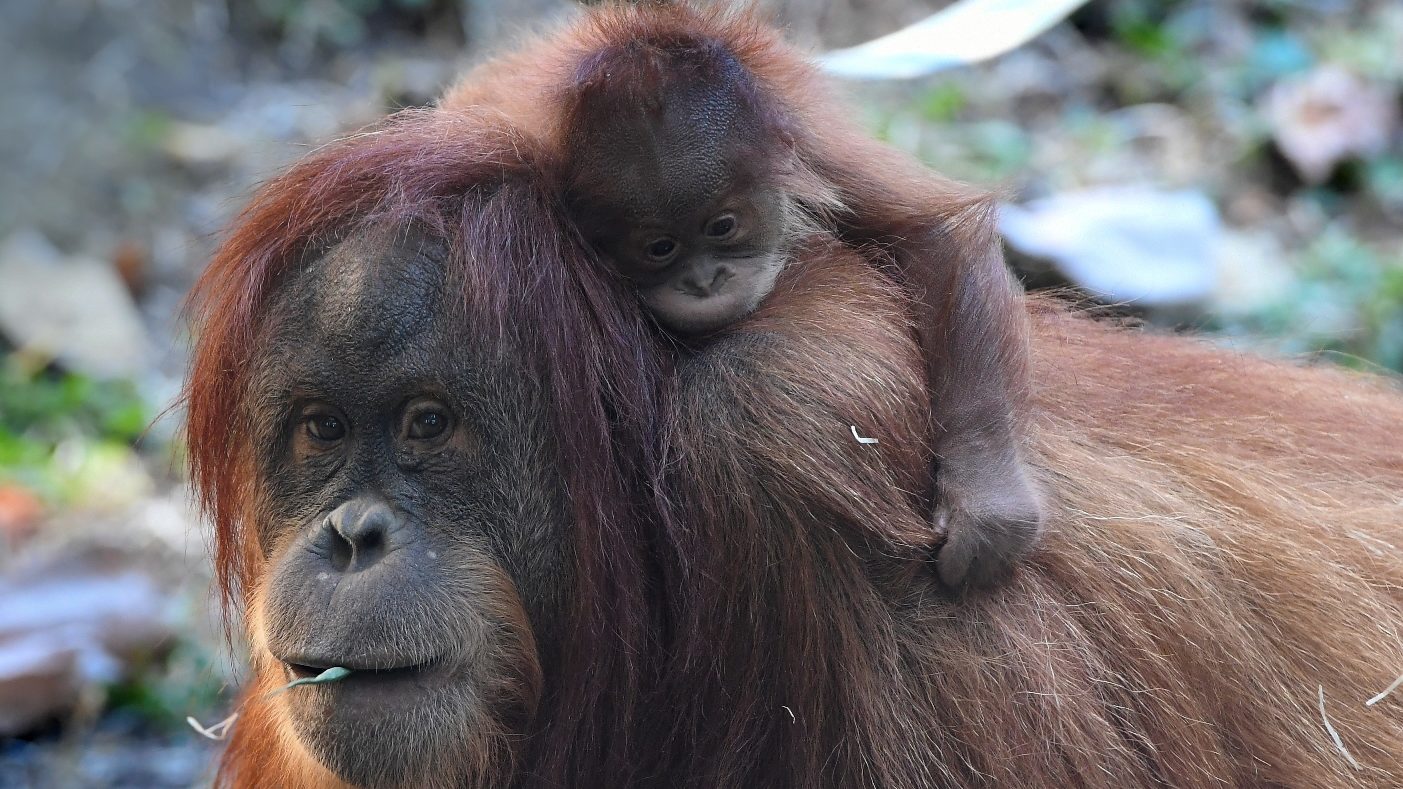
(529, 285)
(752, 605)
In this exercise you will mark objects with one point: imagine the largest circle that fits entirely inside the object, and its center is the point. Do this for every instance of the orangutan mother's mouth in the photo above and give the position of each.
(363, 675)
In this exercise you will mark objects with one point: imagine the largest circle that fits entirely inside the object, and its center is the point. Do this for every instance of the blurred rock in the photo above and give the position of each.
(199, 144)
(411, 81)
(1254, 273)
(489, 24)
(72, 309)
(38, 681)
(1329, 115)
(1138, 245)
(70, 623)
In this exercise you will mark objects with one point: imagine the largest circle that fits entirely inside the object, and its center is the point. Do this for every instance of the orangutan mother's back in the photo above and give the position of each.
(1220, 554)
(1234, 523)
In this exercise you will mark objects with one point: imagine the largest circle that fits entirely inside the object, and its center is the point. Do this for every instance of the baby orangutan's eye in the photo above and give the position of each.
(721, 226)
(428, 424)
(660, 249)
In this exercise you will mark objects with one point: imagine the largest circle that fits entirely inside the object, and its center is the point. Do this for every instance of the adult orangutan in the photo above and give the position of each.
(442, 447)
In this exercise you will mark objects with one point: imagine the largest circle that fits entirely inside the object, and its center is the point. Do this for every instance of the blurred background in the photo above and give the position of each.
(1230, 167)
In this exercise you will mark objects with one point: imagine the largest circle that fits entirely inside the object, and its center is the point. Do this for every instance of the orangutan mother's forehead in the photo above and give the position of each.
(362, 318)
(374, 292)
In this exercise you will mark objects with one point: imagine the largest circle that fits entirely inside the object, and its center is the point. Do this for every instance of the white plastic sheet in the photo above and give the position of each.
(1129, 244)
(967, 32)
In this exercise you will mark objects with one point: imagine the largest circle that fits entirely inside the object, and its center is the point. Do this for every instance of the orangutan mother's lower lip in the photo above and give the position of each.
(305, 671)
(365, 693)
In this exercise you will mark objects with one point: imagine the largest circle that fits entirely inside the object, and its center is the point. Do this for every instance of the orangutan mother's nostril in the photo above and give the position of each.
(359, 532)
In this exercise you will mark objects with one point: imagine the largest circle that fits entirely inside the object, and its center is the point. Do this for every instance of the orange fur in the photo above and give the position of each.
(1223, 534)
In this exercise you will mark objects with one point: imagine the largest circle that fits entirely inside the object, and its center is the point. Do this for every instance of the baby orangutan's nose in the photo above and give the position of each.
(705, 279)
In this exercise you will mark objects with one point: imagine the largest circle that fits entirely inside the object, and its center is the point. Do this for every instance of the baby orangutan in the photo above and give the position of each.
(679, 192)
(692, 172)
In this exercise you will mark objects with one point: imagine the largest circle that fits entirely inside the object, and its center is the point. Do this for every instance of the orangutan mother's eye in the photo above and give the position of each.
(426, 420)
(326, 428)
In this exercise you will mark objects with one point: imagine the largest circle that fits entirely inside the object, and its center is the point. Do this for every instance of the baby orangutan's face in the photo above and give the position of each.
(705, 264)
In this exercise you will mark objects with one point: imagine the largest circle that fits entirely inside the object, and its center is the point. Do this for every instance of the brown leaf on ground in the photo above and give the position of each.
(19, 513)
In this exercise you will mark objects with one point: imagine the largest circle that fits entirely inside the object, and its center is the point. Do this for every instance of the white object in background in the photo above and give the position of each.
(967, 32)
(1328, 115)
(75, 310)
(1124, 244)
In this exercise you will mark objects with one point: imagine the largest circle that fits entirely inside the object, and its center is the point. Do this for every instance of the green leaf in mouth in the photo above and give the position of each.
(333, 674)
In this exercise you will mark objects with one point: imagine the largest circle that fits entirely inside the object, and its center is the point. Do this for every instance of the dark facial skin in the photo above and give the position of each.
(412, 528)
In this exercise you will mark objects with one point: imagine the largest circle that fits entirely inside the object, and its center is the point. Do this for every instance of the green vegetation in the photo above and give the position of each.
(62, 434)
(163, 692)
(1347, 300)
